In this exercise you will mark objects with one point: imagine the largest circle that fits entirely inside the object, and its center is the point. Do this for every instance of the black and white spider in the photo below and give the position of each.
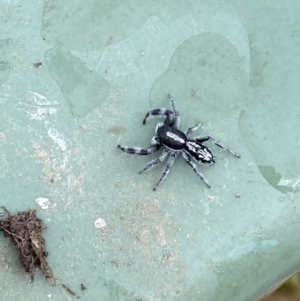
(176, 142)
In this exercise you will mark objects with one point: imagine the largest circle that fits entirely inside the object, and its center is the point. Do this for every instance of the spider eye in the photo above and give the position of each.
(154, 140)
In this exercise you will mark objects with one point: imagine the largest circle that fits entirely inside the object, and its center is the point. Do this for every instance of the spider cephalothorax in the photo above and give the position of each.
(176, 142)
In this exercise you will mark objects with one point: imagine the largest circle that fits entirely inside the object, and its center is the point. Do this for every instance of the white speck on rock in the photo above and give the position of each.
(99, 223)
(58, 138)
(43, 203)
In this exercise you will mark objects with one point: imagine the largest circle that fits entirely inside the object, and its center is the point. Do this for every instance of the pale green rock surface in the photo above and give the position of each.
(233, 65)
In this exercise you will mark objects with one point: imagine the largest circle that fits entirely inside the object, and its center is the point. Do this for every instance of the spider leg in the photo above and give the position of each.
(192, 128)
(171, 160)
(188, 160)
(156, 161)
(176, 119)
(140, 151)
(217, 143)
(160, 112)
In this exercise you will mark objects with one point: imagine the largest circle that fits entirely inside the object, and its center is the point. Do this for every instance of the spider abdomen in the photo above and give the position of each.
(199, 152)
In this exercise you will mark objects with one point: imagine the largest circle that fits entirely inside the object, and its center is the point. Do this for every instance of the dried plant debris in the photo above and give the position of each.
(25, 230)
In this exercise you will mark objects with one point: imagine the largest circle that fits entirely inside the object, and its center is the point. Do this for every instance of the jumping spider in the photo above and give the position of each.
(176, 142)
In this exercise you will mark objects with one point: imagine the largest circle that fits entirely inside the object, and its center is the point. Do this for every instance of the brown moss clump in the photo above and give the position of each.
(25, 231)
